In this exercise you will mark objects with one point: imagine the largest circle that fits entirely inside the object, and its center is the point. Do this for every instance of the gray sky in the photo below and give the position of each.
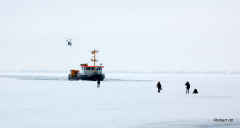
(138, 35)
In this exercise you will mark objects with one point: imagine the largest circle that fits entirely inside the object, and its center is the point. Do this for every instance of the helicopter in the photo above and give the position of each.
(69, 42)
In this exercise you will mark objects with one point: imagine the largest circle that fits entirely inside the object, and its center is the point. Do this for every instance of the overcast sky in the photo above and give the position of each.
(137, 35)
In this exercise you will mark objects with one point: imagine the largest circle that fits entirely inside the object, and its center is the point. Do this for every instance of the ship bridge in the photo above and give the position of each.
(90, 69)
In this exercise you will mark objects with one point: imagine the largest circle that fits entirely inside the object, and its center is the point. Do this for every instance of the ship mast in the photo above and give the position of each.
(94, 59)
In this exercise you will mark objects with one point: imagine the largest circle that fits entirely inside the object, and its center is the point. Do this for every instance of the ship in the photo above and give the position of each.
(93, 73)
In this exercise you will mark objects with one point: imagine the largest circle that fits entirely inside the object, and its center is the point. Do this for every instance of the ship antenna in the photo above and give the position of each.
(94, 59)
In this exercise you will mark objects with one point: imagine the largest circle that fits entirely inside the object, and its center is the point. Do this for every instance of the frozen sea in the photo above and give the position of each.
(49, 100)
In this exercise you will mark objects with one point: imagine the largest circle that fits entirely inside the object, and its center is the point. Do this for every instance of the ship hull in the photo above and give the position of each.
(93, 77)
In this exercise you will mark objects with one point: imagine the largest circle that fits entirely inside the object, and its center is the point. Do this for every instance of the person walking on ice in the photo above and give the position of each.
(98, 83)
(159, 87)
(187, 87)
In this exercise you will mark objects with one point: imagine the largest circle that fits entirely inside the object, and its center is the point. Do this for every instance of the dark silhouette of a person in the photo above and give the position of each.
(159, 87)
(187, 87)
(98, 83)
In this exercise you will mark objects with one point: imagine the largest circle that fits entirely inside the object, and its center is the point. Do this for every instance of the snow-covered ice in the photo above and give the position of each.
(123, 100)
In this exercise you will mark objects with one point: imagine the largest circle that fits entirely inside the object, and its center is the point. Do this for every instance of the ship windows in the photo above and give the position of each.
(98, 68)
(92, 68)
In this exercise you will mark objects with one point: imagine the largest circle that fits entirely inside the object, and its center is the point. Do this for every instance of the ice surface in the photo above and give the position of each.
(123, 100)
